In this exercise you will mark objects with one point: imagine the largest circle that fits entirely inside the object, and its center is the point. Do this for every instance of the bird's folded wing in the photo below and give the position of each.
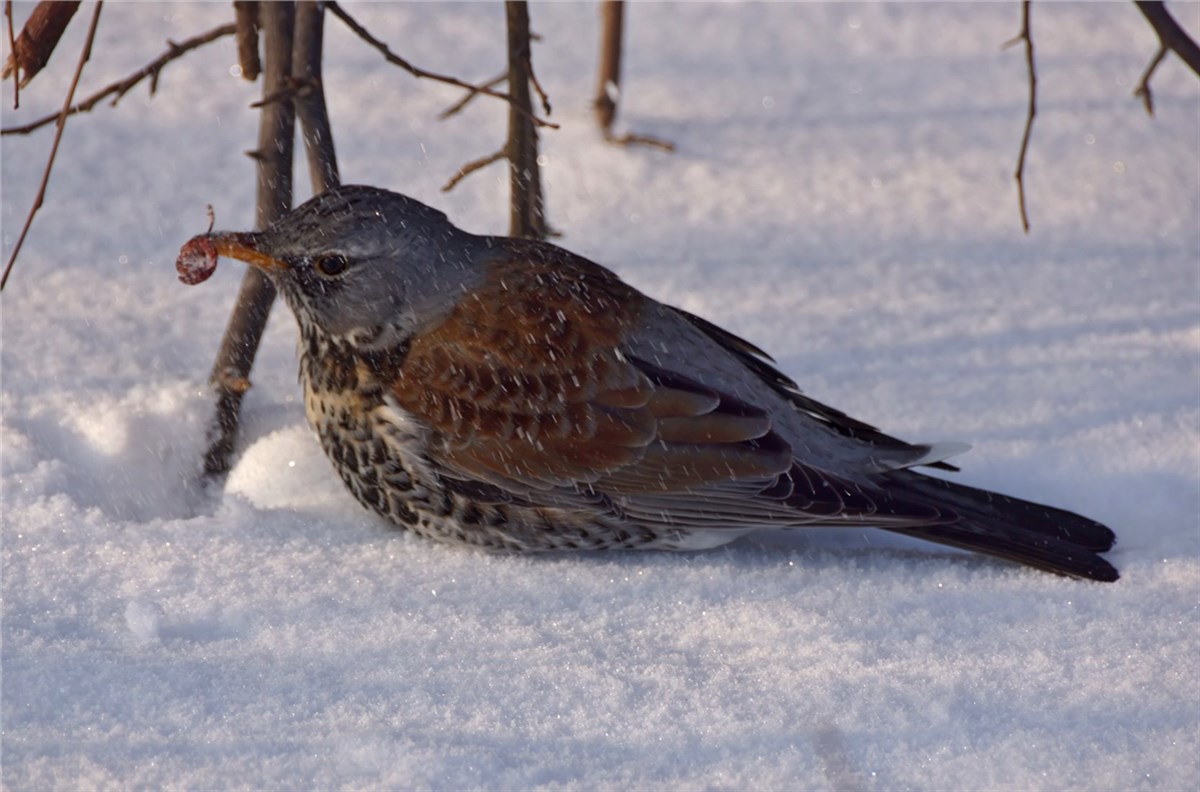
(524, 386)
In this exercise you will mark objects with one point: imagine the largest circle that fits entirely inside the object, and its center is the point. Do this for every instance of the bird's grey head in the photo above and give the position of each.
(363, 264)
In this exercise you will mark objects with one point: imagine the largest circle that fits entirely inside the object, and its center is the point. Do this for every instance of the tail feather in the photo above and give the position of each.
(1041, 536)
(1025, 547)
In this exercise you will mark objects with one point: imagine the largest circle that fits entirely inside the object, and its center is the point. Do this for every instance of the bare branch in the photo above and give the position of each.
(121, 87)
(527, 216)
(458, 106)
(1170, 34)
(230, 376)
(84, 55)
(608, 75)
(12, 46)
(471, 167)
(1143, 91)
(393, 58)
(311, 111)
(33, 48)
(1026, 35)
(608, 79)
(246, 12)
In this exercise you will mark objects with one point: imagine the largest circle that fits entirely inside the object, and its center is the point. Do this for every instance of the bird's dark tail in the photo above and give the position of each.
(1030, 533)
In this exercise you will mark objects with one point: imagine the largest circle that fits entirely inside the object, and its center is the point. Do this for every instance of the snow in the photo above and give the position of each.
(842, 196)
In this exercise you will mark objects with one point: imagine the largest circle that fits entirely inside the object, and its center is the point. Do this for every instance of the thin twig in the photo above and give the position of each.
(458, 106)
(12, 47)
(296, 88)
(1171, 37)
(537, 86)
(415, 71)
(1143, 91)
(1170, 34)
(471, 167)
(62, 125)
(118, 89)
(631, 139)
(1026, 35)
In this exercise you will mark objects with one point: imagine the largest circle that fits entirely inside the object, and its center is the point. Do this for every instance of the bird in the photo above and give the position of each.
(508, 394)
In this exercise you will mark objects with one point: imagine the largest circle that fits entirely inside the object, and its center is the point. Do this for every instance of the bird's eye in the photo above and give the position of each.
(332, 265)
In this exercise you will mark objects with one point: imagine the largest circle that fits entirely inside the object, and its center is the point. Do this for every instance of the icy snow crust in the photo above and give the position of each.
(842, 196)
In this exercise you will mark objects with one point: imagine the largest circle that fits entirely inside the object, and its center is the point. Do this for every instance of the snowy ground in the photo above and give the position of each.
(841, 196)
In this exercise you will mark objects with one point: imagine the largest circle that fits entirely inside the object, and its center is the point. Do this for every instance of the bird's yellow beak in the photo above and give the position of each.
(245, 246)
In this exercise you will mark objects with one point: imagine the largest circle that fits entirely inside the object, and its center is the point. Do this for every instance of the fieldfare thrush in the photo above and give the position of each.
(507, 393)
